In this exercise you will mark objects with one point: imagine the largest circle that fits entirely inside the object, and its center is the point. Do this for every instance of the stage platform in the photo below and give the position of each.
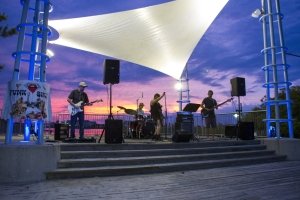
(25, 162)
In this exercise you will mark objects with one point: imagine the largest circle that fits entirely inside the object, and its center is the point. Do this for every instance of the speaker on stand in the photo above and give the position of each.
(238, 88)
(111, 71)
(113, 128)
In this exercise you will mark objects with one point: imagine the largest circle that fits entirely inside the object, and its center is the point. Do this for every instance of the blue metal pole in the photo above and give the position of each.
(285, 68)
(44, 42)
(40, 131)
(266, 68)
(34, 41)
(21, 36)
(27, 128)
(16, 72)
(274, 66)
(9, 130)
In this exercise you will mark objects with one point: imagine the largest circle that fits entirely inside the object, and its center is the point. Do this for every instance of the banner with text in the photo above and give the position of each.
(27, 99)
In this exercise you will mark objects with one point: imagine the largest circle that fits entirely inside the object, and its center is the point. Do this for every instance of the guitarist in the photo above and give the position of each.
(209, 105)
(76, 96)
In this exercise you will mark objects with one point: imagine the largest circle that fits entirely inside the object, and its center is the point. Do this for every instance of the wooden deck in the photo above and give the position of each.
(276, 181)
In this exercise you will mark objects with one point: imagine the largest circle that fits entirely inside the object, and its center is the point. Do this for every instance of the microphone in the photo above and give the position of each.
(142, 94)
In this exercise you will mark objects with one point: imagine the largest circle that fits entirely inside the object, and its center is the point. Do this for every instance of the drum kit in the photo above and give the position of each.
(143, 126)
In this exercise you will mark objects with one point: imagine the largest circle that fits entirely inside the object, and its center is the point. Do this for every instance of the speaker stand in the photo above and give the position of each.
(239, 118)
(110, 116)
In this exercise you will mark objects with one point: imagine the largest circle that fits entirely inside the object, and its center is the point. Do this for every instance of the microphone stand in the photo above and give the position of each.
(137, 102)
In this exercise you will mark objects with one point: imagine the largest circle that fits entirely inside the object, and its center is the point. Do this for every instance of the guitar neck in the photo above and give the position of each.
(92, 102)
(224, 102)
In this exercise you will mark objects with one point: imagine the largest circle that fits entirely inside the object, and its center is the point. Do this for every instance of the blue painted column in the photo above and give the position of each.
(37, 30)
(16, 72)
(275, 69)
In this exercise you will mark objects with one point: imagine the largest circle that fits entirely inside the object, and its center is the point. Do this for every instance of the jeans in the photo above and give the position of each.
(210, 122)
(80, 117)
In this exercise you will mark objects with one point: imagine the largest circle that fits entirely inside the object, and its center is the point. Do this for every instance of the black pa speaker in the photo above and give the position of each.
(183, 132)
(113, 131)
(178, 137)
(246, 130)
(61, 131)
(238, 86)
(230, 131)
(111, 71)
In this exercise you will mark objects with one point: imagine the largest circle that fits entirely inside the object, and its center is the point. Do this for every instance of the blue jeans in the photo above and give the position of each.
(80, 117)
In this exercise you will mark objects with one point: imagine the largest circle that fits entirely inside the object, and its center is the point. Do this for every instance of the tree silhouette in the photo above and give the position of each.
(295, 98)
(5, 31)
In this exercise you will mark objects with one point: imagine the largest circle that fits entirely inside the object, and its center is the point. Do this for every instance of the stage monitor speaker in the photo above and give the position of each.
(181, 137)
(111, 71)
(61, 131)
(246, 130)
(183, 132)
(230, 131)
(238, 86)
(113, 131)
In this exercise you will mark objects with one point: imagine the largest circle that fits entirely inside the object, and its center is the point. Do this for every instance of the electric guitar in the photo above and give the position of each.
(79, 106)
(205, 111)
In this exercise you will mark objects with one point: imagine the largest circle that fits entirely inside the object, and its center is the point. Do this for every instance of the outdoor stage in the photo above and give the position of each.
(27, 162)
(276, 181)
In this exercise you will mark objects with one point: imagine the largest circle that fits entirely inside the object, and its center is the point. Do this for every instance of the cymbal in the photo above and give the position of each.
(121, 107)
(130, 112)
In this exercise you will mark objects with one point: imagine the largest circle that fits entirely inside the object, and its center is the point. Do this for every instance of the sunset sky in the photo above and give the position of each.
(230, 48)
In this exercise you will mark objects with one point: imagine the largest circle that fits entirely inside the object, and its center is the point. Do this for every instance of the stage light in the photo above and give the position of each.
(257, 13)
(178, 86)
(236, 115)
(50, 53)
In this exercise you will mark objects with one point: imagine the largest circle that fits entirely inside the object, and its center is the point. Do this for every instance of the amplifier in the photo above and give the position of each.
(113, 131)
(184, 117)
(244, 131)
(61, 131)
(183, 127)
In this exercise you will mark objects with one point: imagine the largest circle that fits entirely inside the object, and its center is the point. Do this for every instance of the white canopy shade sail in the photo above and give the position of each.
(161, 37)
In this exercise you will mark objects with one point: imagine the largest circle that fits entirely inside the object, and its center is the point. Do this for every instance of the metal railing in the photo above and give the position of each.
(94, 123)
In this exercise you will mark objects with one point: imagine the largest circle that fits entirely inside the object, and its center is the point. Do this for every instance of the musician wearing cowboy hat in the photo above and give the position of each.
(78, 98)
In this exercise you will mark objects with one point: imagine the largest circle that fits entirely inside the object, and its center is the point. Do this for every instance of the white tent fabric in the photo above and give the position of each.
(161, 37)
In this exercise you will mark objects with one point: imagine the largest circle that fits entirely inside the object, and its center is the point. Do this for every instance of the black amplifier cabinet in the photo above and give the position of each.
(244, 131)
(183, 127)
(61, 131)
(113, 131)
(184, 117)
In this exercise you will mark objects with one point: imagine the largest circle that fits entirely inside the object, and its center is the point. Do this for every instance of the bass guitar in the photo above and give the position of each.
(205, 111)
(79, 106)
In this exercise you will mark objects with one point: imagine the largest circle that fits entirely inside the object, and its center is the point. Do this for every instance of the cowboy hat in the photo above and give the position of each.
(83, 84)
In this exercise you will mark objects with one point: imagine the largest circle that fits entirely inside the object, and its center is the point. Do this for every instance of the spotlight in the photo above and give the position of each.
(50, 53)
(178, 86)
(257, 13)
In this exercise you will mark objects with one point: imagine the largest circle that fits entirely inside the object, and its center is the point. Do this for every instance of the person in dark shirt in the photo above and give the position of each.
(77, 100)
(156, 114)
(209, 105)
